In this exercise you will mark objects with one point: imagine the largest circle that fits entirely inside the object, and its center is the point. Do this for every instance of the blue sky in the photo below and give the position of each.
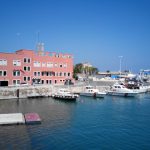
(95, 31)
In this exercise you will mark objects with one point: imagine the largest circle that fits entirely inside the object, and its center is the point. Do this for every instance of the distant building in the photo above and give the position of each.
(87, 64)
(35, 67)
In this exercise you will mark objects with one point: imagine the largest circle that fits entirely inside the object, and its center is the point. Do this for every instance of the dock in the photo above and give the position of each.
(32, 118)
(13, 118)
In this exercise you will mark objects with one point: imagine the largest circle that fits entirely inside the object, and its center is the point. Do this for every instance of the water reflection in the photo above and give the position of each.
(55, 115)
(109, 123)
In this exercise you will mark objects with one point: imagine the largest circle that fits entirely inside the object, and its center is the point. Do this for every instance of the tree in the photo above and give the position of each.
(78, 68)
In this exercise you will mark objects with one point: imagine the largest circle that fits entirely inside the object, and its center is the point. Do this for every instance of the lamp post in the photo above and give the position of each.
(120, 57)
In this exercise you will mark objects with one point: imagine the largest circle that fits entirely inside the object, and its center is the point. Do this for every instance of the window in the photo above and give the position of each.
(43, 64)
(37, 64)
(49, 65)
(68, 74)
(3, 73)
(63, 56)
(65, 65)
(26, 78)
(50, 73)
(61, 65)
(27, 60)
(16, 82)
(16, 73)
(42, 81)
(16, 62)
(46, 81)
(26, 68)
(56, 65)
(39, 73)
(3, 62)
(57, 55)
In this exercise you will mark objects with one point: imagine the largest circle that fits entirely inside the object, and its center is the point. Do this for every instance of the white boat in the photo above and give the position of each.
(121, 90)
(92, 92)
(142, 89)
(137, 86)
(65, 94)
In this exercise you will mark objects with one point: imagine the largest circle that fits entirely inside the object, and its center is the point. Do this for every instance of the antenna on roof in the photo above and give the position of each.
(39, 45)
(40, 49)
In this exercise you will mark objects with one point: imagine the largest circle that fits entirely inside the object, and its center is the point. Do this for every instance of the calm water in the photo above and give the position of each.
(111, 123)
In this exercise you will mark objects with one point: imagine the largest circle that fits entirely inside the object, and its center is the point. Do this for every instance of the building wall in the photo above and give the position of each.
(25, 65)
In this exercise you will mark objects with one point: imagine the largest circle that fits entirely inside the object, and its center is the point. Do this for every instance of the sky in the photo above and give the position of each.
(95, 31)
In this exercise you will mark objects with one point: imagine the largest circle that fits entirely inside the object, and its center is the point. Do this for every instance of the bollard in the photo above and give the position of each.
(18, 93)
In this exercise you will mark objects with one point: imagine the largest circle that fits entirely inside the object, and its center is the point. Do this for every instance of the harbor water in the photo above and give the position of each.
(115, 123)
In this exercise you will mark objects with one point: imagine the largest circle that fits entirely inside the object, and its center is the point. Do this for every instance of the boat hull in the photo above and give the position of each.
(142, 90)
(98, 95)
(69, 97)
(122, 94)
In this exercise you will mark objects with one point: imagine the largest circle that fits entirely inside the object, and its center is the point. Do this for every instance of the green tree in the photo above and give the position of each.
(78, 68)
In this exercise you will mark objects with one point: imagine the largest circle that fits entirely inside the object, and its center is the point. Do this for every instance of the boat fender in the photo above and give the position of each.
(94, 94)
(126, 94)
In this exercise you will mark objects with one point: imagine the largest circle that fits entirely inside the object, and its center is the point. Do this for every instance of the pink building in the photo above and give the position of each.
(35, 67)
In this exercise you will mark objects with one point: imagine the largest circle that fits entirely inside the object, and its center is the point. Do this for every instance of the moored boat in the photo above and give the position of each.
(121, 90)
(137, 86)
(64, 94)
(92, 92)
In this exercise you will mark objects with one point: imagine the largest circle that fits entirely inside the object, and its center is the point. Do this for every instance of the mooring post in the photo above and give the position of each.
(18, 94)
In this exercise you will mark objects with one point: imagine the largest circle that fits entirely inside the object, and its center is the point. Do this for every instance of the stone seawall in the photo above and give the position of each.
(40, 90)
(24, 92)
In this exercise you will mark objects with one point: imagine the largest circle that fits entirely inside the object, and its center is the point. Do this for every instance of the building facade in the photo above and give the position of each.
(35, 67)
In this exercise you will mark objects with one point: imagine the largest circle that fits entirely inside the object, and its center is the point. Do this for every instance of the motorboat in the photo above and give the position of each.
(121, 90)
(65, 94)
(142, 89)
(92, 92)
(137, 86)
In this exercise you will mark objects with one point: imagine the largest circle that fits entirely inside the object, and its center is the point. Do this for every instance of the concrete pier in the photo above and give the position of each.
(32, 118)
(47, 90)
(14, 118)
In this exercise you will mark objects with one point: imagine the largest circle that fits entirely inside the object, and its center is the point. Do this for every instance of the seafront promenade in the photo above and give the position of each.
(13, 92)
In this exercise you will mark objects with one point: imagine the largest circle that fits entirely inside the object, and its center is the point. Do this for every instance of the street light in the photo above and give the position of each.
(120, 63)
